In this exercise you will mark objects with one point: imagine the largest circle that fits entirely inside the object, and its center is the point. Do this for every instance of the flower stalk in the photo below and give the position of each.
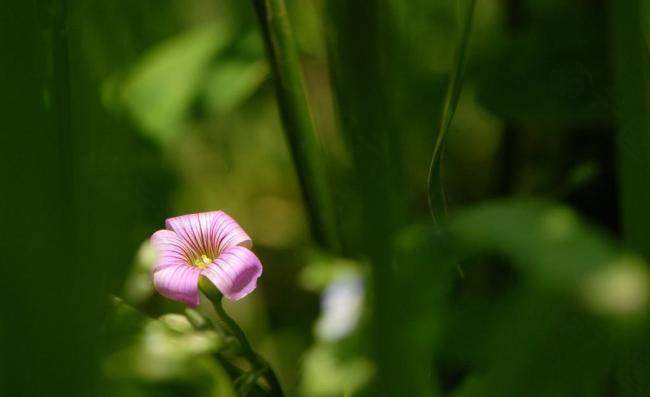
(260, 366)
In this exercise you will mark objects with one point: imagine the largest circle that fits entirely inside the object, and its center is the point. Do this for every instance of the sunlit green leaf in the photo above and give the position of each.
(231, 81)
(327, 374)
(555, 248)
(159, 89)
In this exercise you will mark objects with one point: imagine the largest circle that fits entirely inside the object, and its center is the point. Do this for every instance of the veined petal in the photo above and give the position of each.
(209, 233)
(235, 272)
(179, 282)
(227, 232)
(170, 249)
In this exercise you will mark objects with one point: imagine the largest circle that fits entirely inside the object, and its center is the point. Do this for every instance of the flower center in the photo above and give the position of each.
(202, 261)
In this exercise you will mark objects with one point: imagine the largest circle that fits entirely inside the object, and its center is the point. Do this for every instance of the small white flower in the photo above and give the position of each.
(341, 306)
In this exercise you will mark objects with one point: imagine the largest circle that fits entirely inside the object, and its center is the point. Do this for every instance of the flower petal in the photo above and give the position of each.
(209, 233)
(235, 272)
(227, 232)
(170, 249)
(179, 282)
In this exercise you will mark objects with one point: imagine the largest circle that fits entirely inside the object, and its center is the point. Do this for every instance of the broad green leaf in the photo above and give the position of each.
(160, 88)
(231, 81)
(536, 347)
(552, 246)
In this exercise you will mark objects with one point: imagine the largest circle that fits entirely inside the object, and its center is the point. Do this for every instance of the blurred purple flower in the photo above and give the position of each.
(209, 244)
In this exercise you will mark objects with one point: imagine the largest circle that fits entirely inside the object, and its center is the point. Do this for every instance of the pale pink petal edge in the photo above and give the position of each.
(178, 282)
(235, 272)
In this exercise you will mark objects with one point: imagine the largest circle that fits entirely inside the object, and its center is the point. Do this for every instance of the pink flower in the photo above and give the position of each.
(209, 244)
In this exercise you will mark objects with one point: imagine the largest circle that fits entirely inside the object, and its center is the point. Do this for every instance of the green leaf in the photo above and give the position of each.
(168, 350)
(328, 374)
(232, 81)
(537, 347)
(158, 91)
(553, 247)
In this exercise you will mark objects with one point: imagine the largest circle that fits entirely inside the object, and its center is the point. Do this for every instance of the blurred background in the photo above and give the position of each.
(118, 114)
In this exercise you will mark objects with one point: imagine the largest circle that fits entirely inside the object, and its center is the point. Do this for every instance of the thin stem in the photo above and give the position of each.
(235, 330)
(297, 121)
(237, 373)
(436, 194)
(260, 365)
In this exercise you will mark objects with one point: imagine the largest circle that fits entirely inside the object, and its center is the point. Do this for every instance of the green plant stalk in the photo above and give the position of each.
(436, 194)
(631, 70)
(296, 118)
(360, 45)
(259, 364)
(631, 87)
(253, 389)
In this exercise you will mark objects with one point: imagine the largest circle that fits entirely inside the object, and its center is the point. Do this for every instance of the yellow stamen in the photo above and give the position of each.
(203, 261)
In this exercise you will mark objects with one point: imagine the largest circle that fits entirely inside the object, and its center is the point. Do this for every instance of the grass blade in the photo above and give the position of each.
(632, 90)
(630, 56)
(436, 194)
(296, 118)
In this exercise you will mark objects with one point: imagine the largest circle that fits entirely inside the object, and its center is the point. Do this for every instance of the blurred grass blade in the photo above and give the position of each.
(631, 80)
(37, 154)
(363, 41)
(436, 194)
(631, 66)
(296, 118)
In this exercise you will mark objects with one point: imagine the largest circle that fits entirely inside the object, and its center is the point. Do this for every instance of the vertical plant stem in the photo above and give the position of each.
(297, 121)
(631, 85)
(436, 193)
(360, 35)
(630, 61)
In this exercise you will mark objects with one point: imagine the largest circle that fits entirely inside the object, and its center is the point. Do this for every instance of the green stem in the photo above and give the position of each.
(259, 364)
(436, 193)
(235, 372)
(296, 118)
(632, 89)
(631, 67)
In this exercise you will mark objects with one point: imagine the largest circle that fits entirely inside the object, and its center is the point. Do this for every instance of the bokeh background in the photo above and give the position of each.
(118, 114)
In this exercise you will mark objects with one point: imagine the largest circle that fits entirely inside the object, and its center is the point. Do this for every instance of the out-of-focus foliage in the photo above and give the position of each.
(556, 250)
(166, 356)
(332, 366)
(564, 83)
(532, 287)
(159, 90)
